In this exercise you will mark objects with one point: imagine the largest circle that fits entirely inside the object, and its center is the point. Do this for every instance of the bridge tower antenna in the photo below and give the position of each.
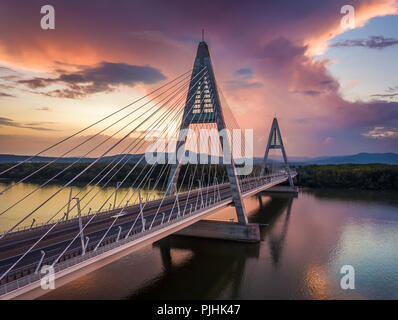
(205, 111)
(275, 142)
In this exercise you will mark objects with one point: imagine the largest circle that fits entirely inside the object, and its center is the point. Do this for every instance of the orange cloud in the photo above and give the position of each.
(364, 11)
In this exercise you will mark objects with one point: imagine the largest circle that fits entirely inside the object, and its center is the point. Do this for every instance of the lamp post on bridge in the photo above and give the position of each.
(118, 184)
(149, 184)
(68, 208)
(80, 223)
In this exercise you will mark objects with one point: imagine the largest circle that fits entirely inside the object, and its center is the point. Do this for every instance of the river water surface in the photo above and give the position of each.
(305, 242)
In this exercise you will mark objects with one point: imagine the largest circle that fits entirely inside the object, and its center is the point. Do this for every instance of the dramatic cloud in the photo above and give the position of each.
(391, 93)
(33, 126)
(382, 133)
(16, 144)
(301, 74)
(375, 42)
(385, 95)
(103, 77)
(244, 72)
(244, 79)
(392, 89)
(263, 53)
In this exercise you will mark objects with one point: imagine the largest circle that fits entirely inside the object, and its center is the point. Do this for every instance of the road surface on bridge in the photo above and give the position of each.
(15, 244)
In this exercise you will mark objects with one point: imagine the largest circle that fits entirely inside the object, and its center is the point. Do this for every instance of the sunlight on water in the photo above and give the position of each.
(304, 243)
(90, 197)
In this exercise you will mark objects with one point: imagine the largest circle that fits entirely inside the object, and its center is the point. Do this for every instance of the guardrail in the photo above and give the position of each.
(28, 279)
(74, 260)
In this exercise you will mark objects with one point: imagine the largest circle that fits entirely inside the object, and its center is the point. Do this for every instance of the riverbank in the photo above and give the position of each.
(349, 176)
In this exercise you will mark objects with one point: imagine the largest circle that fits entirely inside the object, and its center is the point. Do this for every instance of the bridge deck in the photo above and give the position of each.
(158, 223)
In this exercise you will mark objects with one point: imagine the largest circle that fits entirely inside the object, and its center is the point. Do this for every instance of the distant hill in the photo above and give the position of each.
(9, 158)
(132, 158)
(360, 158)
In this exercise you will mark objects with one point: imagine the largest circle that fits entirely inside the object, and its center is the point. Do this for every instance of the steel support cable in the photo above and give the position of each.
(54, 227)
(230, 142)
(208, 151)
(49, 180)
(165, 180)
(176, 115)
(175, 131)
(208, 128)
(89, 183)
(141, 144)
(230, 120)
(85, 141)
(69, 166)
(176, 152)
(186, 170)
(67, 247)
(88, 167)
(233, 142)
(152, 168)
(38, 241)
(216, 145)
(159, 121)
(95, 123)
(200, 118)
(168, 143)
(121, 182)
(196, 154)
(190, 184)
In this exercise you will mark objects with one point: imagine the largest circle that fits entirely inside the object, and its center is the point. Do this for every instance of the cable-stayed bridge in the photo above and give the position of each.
(179, 193)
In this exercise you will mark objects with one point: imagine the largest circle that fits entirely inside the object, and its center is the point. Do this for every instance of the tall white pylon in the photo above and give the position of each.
(206, 108)
(275, 142)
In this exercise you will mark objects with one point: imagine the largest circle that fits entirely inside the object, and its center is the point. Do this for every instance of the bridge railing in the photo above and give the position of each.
(31, 278)
(44, 225)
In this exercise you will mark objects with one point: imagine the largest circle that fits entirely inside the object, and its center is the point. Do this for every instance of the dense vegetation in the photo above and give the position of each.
(63, 174)
(354, 176)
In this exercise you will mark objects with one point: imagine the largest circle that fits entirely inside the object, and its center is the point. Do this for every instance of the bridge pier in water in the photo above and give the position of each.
(206, 109)
(282, 190)
(223, 230)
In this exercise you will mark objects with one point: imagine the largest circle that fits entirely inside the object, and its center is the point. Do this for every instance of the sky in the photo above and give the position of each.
(333, 89)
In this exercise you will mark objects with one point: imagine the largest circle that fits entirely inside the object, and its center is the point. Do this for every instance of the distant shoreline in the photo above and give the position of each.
(343, 176)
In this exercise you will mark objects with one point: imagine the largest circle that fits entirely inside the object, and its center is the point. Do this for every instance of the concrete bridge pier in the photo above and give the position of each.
(282, 190)
(223, 230)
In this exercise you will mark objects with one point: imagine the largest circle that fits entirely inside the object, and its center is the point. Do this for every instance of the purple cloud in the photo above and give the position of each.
(103, 77)
(375, 42)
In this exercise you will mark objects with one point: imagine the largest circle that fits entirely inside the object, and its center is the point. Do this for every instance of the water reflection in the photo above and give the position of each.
(210, 270)
(224, 269)
(304, 243)
(92, 198)
(277, 235)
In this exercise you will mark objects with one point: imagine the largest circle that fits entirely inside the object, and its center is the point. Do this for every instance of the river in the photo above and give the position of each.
(304, 243)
